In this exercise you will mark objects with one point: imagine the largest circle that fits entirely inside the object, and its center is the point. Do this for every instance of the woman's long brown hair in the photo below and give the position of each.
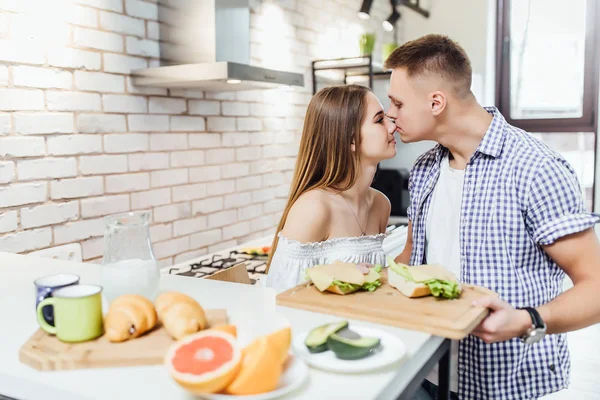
(325, 159)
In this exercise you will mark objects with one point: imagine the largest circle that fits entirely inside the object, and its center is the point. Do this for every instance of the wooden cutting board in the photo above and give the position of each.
(453, 319)
(45, 352)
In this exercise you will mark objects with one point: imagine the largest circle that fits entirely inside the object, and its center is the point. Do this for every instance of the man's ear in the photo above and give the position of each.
(438, 102)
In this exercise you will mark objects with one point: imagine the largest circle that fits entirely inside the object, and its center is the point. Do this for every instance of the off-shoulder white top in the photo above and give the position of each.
(292, 258)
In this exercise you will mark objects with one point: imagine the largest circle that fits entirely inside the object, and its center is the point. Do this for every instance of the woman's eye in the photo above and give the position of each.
(379, 121)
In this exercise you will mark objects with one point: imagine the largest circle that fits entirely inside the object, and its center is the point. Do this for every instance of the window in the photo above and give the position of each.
(547, 76)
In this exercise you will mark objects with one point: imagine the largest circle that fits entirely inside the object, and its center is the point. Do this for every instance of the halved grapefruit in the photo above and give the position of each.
(228, 328)
(204, 362)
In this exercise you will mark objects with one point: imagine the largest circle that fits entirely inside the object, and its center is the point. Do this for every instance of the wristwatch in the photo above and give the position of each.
(538, 327)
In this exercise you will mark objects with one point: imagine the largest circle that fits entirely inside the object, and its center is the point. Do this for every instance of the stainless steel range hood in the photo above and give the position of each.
(205, 45)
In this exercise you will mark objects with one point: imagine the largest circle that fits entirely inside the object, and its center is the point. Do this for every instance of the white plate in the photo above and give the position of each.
(292, 378)
(392, 350)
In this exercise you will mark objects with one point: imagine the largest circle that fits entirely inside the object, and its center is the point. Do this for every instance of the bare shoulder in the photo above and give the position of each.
(309, 218)
(381, 208)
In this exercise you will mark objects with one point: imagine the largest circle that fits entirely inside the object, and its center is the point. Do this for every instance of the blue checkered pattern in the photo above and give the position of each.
(518, 194)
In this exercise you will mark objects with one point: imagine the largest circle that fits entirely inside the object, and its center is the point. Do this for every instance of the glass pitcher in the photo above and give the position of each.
(129, 265)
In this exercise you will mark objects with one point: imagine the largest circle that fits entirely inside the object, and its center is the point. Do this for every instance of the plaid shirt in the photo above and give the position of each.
(518, 194)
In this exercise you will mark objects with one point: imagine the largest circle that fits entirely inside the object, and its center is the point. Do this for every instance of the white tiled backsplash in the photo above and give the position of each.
(78, 141)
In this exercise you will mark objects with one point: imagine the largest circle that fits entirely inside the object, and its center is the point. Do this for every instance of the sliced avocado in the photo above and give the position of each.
(316, 340)
(352, 349)
(348, 334)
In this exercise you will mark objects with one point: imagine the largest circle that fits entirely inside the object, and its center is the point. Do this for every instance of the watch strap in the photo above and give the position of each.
(536, 318)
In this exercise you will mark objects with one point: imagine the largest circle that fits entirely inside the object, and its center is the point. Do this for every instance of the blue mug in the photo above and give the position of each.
(46, 285)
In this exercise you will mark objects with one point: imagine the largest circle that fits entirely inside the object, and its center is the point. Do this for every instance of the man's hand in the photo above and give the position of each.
(504, 322)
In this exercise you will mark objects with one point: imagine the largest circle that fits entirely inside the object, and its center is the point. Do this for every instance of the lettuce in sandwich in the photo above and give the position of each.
(344, 278)
(423, 280)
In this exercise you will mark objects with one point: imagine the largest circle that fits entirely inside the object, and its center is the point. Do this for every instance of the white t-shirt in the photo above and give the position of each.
(442, 239)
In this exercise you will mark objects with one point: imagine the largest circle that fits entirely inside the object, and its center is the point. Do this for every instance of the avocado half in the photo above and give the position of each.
(316, 340)
(352, 349)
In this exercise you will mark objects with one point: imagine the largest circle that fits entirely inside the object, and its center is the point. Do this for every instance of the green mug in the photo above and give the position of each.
(77, 313)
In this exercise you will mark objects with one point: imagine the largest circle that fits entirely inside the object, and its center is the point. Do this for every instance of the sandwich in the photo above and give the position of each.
(423, 280)
(344, 278)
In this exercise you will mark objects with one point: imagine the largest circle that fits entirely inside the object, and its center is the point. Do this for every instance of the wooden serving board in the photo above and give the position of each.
(45, 352)
(453, 319)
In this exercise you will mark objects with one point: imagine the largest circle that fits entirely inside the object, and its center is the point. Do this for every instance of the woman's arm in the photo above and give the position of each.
(404, 257)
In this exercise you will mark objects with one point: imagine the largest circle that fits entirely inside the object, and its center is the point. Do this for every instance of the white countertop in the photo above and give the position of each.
(18, 380)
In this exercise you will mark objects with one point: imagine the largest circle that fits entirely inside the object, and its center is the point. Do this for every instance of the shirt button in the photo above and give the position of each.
(552, 367)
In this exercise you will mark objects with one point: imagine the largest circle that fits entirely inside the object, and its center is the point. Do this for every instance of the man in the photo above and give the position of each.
(502, 210)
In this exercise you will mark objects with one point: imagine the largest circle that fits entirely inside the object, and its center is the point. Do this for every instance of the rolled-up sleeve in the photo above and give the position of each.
(555, 206)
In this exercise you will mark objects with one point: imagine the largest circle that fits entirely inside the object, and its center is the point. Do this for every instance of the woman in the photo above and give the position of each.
(332, 212)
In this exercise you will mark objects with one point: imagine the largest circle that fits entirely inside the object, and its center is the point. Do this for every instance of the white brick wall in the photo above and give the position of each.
(78, 141)
(98, 123)
(187, 124)
(42, 77)
(46, 168)
(124, 103)
(205, 140)
(23, 193)
(5, 124)
(14, 146)
(148, 161)
(26, 240)
(123, 64)
(122, 24)
(99, 82)
(3, 74)
(7, 171)
(127, 183)
(8, 221)
(73, 101)
(126, 143)
(151, 198)
(74, 144)
(95, 39)
(21, 99)
(207, 206)
(163, 105)
(148, 123)
(49, 214)
(77, 187)
(169, 177)
(73, 58)
(79, 230)
(94, 165)
(43, 123)
(106, 205)
(141, 9)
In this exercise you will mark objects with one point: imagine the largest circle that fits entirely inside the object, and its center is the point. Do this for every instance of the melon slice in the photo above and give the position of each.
(204, 362)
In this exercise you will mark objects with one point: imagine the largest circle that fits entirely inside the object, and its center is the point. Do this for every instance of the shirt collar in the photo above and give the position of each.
(492, 141)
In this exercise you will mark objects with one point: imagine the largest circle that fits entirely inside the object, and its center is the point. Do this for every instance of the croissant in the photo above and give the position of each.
(180, 314)
(128, 317)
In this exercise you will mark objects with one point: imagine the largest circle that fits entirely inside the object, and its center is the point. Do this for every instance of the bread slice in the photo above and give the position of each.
(336, 289)
(407, 288)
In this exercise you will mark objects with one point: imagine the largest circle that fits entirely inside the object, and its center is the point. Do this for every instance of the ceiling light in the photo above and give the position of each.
(233, 81)
(365, 9)
(389, 23)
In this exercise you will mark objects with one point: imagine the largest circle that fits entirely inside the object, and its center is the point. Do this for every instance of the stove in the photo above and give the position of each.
(256, 261)
(256, 265)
